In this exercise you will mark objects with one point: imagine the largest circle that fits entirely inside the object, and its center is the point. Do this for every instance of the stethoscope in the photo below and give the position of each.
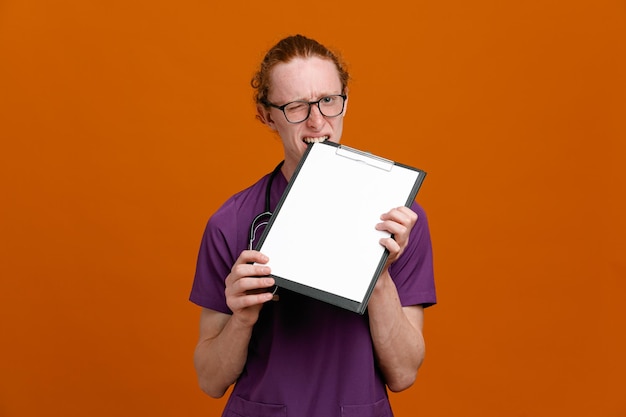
(261, 220)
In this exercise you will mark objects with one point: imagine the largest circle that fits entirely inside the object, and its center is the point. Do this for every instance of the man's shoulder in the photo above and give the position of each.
(242, 200)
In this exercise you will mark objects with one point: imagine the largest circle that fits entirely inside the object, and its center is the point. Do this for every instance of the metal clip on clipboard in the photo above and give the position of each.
(360, 156)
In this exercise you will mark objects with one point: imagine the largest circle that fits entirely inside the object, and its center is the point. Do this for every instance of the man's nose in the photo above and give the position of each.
(316, 118)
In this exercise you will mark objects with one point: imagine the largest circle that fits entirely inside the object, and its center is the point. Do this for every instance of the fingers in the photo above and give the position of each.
(249, 270)
(248, 281)
(250, 264)
(401, 215)
(398, 222)
(392, 246)
(239, 300)
(250, 256)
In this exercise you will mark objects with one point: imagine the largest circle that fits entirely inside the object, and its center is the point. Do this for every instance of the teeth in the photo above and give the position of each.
(315, 140)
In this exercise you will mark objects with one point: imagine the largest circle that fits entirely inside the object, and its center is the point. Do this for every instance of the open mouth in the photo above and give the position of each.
(315, 140)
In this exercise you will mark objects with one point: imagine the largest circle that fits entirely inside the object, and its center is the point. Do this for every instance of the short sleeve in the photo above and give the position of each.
(413, 272)
(215, 260)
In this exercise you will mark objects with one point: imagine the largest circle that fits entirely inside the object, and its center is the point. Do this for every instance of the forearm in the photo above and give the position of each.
(396, 334)
(220, 360)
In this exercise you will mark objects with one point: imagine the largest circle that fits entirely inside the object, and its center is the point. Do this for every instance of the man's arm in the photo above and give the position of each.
(396, 335)
(396, 330)
(222, 347)
(221, 351)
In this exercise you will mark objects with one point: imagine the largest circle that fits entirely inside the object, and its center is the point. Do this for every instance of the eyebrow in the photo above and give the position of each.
(315, 99)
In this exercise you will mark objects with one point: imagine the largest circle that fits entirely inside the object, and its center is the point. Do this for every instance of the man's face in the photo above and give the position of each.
(307, 79)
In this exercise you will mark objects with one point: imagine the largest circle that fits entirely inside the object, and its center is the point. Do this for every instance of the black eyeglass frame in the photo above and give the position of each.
(282, 108)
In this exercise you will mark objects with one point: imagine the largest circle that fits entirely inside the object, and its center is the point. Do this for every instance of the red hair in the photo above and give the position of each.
(296, 46)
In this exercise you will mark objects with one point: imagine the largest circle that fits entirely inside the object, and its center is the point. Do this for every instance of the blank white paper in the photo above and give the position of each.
(323, 234)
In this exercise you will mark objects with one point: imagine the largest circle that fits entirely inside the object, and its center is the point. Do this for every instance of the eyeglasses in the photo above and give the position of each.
(299, 111)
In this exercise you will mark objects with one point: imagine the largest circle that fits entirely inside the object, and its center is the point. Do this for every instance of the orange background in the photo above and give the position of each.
(124, 125)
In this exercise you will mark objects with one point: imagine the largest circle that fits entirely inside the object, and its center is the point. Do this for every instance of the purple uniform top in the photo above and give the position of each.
(305, 357)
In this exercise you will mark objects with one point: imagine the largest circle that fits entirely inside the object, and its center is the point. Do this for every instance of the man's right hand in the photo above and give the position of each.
(247, 286)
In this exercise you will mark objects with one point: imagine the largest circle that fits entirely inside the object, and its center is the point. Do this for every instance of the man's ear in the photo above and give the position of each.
(263, 114)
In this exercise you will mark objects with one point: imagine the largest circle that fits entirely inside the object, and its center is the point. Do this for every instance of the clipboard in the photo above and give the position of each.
(321, 240)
